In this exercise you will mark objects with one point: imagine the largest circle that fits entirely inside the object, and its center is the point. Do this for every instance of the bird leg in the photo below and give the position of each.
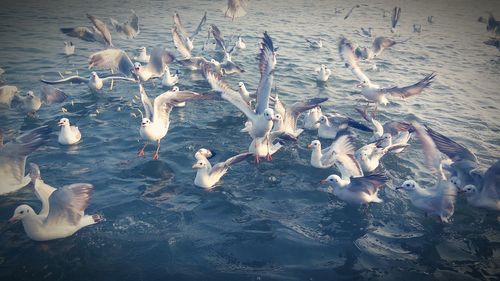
(157, 152)
(268, 155)
(141, 152)
(112, 81)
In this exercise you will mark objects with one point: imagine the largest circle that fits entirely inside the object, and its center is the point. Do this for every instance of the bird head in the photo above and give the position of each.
(198, 165)
(408, 185)
(21, 212)
(314, 144)
(63, 122)
(145, 122)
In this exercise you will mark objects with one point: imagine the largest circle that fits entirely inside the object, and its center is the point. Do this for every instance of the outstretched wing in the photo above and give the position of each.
(81, 32)
(411, 90)
(200, 25)
(491, 181)
(67, 204)
(455, 151)
(220, 169)
(52, 95)
(179, 43)
(368, 184)
(267, 64)
(101, 26)
(114, 59)
(159, 58)
(134, 22)
(72, 79)
(431, 153)
(164, 103)
(347, 53)
(146, 102)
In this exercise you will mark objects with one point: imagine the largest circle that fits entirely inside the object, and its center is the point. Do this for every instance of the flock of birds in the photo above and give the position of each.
(271, 124)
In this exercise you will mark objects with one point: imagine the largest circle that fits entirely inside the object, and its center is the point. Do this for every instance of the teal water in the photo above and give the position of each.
(269, 221)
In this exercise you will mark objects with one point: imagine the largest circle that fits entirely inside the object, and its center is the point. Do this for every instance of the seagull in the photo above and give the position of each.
(94, 82)
(102, 28)
(495, 42)
(311, 118)
(31, 103)
(366, 32)
(331, 123)
(352, 9)
(430, 19)
(8, 93)
(369, 156)
(417, 28)
(315, 44)
(347, 52)
(143, 56)
(340, 153)
(227, 66)
(180, 104)
(128, 29)
(192, 63)
(13, 158)
(398, 132)
(373, 93)
(69, 48)
(379, 44)
(240, 44)
(118, 60)
(69, 134)
(323, 73)
(440, 200)
(184, 36)
(156, 120)
(169, 80)
(462, 163)
(486, 196)
(395, 18)
(207, 177)
(287, 123)
(262, 117)
(62, 213)
(83, 33)
(266, 146)
(245, 95)
(357, 190)
(236, 9)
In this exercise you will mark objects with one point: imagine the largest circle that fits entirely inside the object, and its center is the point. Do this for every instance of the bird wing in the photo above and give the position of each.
(219, 169)
(491, 182)
(101, 26)
(341, 152)
(347, 53)
(411, 90)
(395, 16)
(267, 63)
(227, 93)
(394, 127)
(81, 32)
(114, 59)
(298, 108)
(42, 190)
(164, 103)
(455, 151)
(178, 25)
(431, 153)
(67, 204)
(118, 27)
(200, 25)
(118, 78)
(368, 184)
(52, 95)
(381, 43)
(13, 154)
(146, 102)
(159, 58)
(72, 79)
(134, 22)
(179, 43)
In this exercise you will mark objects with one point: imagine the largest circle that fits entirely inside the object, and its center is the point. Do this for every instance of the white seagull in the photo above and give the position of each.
(323, 73)
(331, 123)
(143, 56)
(315, 44)
(207, 176)
(13, 158)
(369, 156)
(487, 195)
(94, 82)
(440, 200)
(31, 103)
(311, 118)
(357, 190)
(69, 48)
(156, 119)
(68, 134)
(62, 211)
(169, 79)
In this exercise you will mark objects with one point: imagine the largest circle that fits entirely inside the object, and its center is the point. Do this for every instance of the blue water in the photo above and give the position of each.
(270, 221)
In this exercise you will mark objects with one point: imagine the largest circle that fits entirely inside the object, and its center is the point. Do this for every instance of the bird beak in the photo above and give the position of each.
(60, 123)
(398, 187)
(460, 191)
(195, 165)
(360, 85)
(317, 122)
(13, 219)
(323, 181)
(309, 146)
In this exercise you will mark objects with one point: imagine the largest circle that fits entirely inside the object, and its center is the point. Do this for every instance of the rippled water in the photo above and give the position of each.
(264, 222)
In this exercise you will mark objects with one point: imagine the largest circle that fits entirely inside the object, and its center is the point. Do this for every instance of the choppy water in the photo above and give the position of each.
(264, 222)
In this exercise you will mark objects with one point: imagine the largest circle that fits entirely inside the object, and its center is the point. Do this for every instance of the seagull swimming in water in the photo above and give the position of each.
(331, 123)
(487, 194)
(357, 190)
(315, 44)
(169, 79)
(143, 56)
(208, 176)
(69, 134)
(62, 211)
(311, 118)
(31, 103)
(323, 73)
(69, 48)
